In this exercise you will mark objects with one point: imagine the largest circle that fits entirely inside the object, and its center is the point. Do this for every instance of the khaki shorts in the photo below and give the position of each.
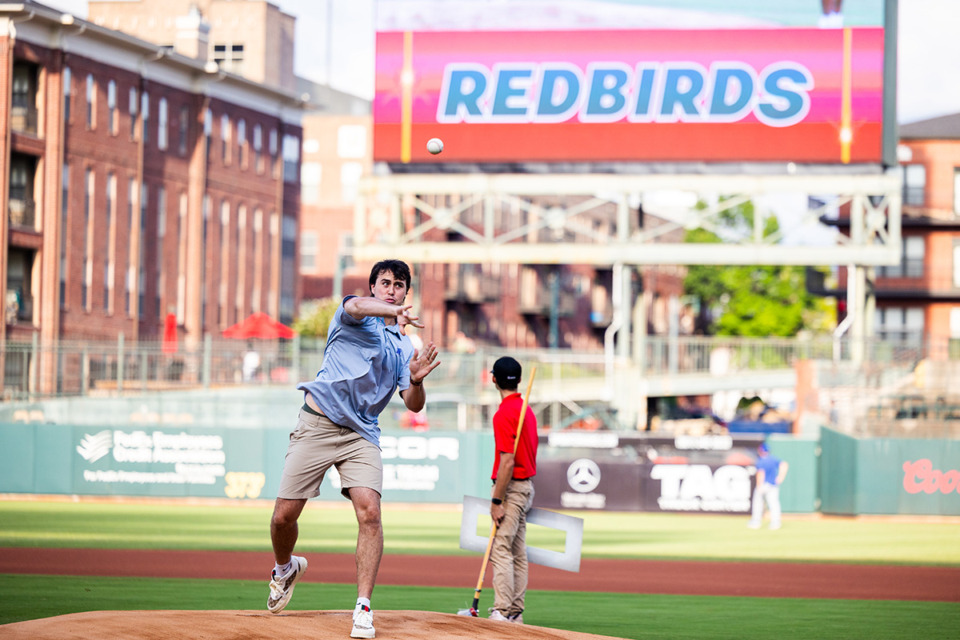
(316, 445)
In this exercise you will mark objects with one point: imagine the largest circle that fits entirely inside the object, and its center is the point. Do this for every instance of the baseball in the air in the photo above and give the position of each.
(434, 145)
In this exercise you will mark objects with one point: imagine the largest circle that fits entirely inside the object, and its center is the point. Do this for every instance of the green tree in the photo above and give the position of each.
(315, 317)
(753, 301)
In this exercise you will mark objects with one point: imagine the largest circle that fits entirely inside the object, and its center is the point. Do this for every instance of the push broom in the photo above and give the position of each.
(473, 611)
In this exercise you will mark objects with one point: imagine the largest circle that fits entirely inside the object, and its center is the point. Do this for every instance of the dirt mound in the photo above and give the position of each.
(257, 625)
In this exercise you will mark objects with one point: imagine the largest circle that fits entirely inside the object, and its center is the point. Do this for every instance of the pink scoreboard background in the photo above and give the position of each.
(803, 95)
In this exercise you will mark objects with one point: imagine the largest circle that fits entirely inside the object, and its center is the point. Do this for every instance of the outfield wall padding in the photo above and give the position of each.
(838, 474)
(862, 476)
(240, 463)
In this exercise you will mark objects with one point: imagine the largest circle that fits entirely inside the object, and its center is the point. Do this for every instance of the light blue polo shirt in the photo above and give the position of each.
(364, 363)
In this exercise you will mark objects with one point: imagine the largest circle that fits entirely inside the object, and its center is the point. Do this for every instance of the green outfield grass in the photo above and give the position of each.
(610, 614)
(429, 531)
(422, 530)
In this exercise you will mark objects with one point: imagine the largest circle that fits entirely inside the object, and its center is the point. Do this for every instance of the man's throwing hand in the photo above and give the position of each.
(406, 317)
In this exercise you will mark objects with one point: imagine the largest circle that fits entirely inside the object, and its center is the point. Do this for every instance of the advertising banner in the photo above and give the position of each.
(634, 472)
(628, 486)
(630, 95)
(236, 463)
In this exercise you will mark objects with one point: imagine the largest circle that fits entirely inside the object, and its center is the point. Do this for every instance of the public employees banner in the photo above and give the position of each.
(803, 95)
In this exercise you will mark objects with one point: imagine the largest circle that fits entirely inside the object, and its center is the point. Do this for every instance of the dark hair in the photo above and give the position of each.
(398, 268)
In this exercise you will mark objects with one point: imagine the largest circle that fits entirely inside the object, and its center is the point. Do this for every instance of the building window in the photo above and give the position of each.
(257, 261)
(288, 267)
(229, 56)
(184, 127)
(134, 108)
(900, 324)
(207, 132)
(161, 235)
(310, 176)
(182, 259)
(145, 116)
(242, 142)
(291, 158)
(64, 230)
(67, 91)
(956, 191)
(223, 317)
(88, 192)
(142, 267)
(258, 148)
(131, 269)
(203, 260)
(956, 264)
(112, 107)
(225, 138)
(162, 124)
(273, 153)
(912, 257)
(352, 141)
(350, 174)
(914, 184)
(111, 211)
(24, 115)
(243, 259)
(91, 102)
(308, 251)
(954, 344)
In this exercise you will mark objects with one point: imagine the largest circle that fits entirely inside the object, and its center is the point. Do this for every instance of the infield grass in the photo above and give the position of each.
(331, 528)
(619, 615)
(423, 530)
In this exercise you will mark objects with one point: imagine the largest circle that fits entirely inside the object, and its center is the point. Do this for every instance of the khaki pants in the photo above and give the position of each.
(509, 553)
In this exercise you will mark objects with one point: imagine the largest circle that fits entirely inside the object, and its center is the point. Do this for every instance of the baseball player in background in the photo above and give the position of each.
(512, 495)
(771, 471)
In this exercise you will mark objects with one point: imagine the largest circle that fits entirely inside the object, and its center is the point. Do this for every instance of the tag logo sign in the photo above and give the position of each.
(695, 487)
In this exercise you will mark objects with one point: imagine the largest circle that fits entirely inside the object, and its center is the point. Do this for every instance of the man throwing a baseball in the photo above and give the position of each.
(368, 356)
(512, 494)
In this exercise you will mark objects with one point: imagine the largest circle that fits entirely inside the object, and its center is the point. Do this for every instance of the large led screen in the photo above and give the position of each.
(756, 93)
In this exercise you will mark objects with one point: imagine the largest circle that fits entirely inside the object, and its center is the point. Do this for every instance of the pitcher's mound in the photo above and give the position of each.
(254, 625)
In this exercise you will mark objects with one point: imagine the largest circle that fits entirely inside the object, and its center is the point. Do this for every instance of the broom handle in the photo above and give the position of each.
(493, 527)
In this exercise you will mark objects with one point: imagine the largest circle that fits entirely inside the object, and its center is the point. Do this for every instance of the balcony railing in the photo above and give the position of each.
(24, 119)
(22, 213)
(19, 308)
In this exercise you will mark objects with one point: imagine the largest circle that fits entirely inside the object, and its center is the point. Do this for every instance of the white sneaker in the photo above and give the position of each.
(753, 525)
(281, 587)
(774, 526)
(517, 618)
(499, 617)
(363, 623)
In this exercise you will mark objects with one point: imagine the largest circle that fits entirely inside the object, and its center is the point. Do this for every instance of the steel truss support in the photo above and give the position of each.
(594, 219)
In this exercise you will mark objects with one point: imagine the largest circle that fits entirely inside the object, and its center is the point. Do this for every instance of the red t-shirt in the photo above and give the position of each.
(505, 433)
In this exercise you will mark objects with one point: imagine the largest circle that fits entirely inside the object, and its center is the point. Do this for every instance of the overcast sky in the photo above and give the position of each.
(929, 49)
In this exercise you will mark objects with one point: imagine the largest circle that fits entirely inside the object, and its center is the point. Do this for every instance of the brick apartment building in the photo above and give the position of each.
(255, 39)
(138, 182)
(918, 301)
(922, 294)
(509, 305)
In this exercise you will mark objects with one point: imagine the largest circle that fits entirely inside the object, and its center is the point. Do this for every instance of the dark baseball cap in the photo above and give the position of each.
(764, 447)
(507, 371)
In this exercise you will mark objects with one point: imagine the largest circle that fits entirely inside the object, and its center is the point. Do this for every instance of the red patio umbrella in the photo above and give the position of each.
(258, 325)
(170, 334)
